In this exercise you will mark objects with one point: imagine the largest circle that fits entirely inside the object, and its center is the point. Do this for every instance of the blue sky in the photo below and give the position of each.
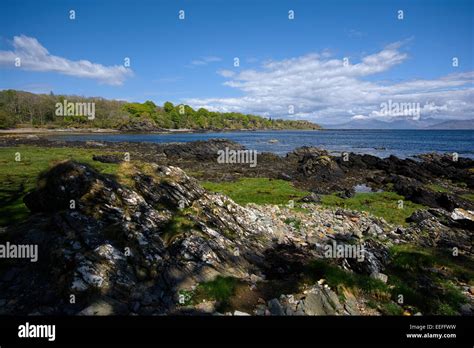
(282, 62)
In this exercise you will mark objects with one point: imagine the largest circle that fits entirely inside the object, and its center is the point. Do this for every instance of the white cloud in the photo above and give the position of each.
(35, 57)
(226, 73)
(324, 88)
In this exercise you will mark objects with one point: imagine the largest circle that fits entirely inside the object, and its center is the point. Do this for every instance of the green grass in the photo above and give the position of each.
(296, 223)
(220, 289)
(468, 196)
(335, 277)
(257, 190)
(381, 204)
(390, 308)
(410, 258)
(436, 188)
(17, 178)
(178, 225)
(185, 297)
(411, 274)
(266, 191)
(375, 291)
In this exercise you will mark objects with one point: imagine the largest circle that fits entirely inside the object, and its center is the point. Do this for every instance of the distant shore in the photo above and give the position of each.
(49, 131)
(33, 130)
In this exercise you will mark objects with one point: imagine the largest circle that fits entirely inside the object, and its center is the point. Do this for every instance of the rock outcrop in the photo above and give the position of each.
(117, 248)
(111, 241)
(112, 246)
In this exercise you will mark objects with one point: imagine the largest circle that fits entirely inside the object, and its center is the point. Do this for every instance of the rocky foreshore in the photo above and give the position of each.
(150, 244)
(307, 167)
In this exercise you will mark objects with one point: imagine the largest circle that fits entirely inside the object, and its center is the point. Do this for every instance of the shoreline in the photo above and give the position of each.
(48, 131)
(106, 131)
(54, 137)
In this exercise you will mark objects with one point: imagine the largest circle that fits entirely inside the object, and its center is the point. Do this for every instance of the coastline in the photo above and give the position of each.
(381, 143)
(49, 131)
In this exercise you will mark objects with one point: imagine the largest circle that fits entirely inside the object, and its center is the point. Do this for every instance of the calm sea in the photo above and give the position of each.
(382, 143)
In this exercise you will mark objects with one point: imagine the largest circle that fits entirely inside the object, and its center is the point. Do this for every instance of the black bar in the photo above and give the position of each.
(243, 331)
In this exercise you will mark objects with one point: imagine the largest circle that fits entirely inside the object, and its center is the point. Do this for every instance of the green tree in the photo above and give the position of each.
(168, 107)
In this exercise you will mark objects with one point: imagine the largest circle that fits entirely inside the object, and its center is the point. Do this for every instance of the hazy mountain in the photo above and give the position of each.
(455, 124)
(403, 123)
(360, 124)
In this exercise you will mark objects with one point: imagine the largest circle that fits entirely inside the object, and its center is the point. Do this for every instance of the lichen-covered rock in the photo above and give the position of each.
(121, 249)
(111, 239)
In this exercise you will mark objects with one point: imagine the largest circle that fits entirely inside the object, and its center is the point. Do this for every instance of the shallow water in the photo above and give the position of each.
(382, 143)
(362, 188)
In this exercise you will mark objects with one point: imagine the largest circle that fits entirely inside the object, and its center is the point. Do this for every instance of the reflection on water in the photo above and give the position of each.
(363, 188)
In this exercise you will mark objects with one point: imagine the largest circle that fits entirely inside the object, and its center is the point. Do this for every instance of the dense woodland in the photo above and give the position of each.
(24, 109)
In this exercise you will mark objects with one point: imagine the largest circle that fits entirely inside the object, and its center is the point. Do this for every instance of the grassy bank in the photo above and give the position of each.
(18, 177)
(381, 204)
(412, 271)
(257, 190)
(267, 191)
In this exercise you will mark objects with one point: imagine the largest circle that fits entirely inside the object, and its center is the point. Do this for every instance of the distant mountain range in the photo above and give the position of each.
(458, 124)
(429, 123)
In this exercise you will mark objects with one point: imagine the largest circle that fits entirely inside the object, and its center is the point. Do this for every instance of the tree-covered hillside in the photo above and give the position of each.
(24, 109)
